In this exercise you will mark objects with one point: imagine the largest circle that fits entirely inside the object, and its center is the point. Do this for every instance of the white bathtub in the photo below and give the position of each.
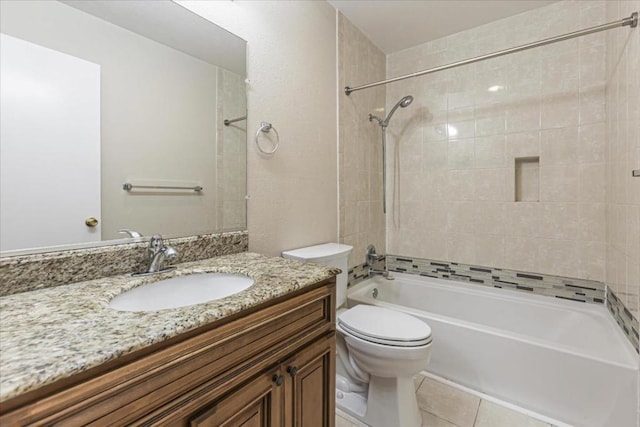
(563, 359)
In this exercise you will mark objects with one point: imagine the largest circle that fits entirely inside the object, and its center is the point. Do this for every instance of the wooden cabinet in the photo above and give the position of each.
(298, 392)
(271, 366)
(256, 404)
(309, 386)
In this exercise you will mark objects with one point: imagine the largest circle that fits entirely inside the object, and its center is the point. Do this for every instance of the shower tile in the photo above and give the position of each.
(460, 248)
(592, 13)
(559, 183)
(491, 184)
(460, 99)
(591, 222)
(449, 403)
(558, 221)
(525, 144)
(592, 64)
(489, 249)
(559, 257)
(592, 260)
(489, 218)
(561, 109)
(592, 105)
(460, 185)
(461, 217)
(490, 123)
(460, 129)
(490, 151)
(523, 219)
(593, 143)
(593, 181)
(552, 107)
(461, 153)
(524, 115)
(625, 319)
(559, 146)
(434, 155)
(518, 252)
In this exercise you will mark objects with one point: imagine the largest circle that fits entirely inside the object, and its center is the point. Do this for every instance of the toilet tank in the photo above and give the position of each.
(331, 254)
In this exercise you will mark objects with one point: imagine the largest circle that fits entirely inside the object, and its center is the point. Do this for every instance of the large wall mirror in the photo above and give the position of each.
(113, 117)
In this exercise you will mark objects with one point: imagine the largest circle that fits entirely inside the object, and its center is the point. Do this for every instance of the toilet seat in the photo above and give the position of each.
(384, 326)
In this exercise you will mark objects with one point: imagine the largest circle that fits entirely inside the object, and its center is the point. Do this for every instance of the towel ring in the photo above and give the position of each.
(266, 127)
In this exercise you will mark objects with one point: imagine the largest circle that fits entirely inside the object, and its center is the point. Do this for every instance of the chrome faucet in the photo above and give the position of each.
(131, 233)
(158, 253)
(372, 259)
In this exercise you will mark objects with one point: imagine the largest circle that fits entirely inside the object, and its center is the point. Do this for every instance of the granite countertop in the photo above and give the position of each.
(53, 333)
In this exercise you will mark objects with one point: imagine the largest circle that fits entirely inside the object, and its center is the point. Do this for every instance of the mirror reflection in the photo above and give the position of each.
(112, 118)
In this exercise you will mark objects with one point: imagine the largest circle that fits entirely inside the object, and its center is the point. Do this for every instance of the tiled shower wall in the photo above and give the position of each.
(231, 152)
(623, 134)
(455, 148)
(360, 146)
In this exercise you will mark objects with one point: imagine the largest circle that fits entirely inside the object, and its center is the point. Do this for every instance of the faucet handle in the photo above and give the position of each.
(169, 252)
(155, 245)
(131, 233)
(156, 242)
(372, 256)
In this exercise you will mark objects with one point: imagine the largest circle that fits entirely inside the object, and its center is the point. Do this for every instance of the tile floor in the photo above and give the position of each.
(444, 406)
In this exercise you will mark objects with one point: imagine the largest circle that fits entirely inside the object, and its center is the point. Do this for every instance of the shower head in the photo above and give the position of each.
(404, 102)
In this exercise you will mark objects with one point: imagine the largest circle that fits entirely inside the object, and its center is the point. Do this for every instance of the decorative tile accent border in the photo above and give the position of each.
(540, 284)
(22, 273)
(624, 318)
(358, 273)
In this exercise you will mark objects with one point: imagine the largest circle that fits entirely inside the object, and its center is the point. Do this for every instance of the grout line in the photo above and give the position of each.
(419, 384)
(477, 412)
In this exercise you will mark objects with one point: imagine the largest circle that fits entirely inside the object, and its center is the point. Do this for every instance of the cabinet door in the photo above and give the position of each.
(258, 403)
(310, 385)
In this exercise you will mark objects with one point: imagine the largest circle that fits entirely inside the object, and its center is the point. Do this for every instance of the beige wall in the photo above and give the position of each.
(454, 199)
(360, 155)
(292, 70)
(623, 155)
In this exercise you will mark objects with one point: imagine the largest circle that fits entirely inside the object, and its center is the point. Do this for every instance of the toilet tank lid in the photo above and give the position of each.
(324, 252)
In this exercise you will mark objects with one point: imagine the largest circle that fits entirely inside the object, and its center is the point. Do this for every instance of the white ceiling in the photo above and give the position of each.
(400, 24)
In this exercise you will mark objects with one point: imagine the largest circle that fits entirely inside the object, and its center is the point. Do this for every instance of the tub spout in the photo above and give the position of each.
(383, 273)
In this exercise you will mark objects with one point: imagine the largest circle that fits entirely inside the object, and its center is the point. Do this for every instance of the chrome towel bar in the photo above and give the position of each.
(127, 186)
(227, 122)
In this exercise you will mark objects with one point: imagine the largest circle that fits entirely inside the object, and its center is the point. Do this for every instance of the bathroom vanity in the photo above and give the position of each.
(264, 356)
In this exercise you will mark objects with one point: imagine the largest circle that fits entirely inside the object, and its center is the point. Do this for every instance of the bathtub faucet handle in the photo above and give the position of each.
(372, 256)
(372, 259)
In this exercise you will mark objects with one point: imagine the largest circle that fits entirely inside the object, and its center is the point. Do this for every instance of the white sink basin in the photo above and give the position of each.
(181, 291)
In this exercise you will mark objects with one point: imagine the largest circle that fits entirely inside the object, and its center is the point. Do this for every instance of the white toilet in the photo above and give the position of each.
(379, 351)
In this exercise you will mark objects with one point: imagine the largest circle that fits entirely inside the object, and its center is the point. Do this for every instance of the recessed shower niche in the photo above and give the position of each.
(527, 179)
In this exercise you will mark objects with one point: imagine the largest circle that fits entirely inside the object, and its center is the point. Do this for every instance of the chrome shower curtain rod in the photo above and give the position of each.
(631, 21)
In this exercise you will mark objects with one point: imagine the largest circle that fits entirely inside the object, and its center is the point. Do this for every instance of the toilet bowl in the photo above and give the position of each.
(379, 351)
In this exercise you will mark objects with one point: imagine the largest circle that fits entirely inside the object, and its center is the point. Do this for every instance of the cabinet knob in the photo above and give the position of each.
(277, 379)
(292, 370)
